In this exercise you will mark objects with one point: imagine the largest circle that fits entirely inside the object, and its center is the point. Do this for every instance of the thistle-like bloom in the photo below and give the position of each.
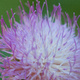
(41, 48)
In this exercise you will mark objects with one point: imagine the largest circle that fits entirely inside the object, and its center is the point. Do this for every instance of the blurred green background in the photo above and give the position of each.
(68, 6)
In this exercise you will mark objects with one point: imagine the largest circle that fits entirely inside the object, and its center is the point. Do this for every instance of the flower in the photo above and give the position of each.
(40, 48)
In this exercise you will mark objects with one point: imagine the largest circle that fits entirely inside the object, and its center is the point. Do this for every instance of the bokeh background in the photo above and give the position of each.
(69, 6)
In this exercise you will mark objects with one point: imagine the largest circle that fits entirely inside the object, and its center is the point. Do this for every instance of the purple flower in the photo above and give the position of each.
(41, 48)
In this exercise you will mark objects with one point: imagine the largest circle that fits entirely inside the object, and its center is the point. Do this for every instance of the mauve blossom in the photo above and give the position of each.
(40, 48)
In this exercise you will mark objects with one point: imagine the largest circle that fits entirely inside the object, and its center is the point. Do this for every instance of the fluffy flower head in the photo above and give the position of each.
(41, 48)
